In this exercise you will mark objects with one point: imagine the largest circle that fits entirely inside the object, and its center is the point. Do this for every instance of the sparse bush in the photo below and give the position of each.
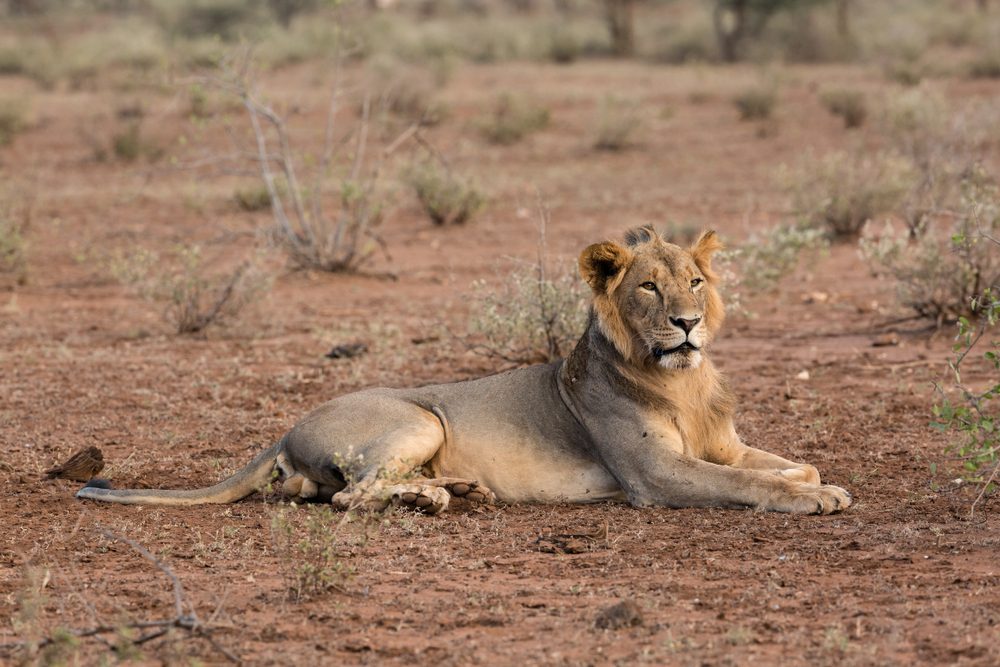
(303, 228)
(446, 198)
(756, 103)
(617, 121)
(681, 233)
(12, 247)
(12, 61)
(850, 105)
(313, 545)
(758, 265)
(986, 65)
(195, 296)
(839, 193)
(198, 100)
(127, 143)
(563, 46)
(253, 199)
(974, 415)
(943, 147)
(408, 92)
(945, 268)
(529, 317)
(678, 45)
(512, 119)
(222, 18)
(905, 71)
(12, 120)
(286, 10)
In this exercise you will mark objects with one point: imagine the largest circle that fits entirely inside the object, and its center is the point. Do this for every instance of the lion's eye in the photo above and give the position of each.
(696, 281)
(648, 286)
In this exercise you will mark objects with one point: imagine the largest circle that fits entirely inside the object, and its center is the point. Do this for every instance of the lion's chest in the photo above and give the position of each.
(690, 433)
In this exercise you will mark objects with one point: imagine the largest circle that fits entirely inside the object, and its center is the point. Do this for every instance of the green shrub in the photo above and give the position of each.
(12, 247)
(756, 103)
(446, 198)
(199, 103)
(12, 120)
(253, 199)
(839, 193)
(512, 119)
(850, 105)
(617, 121)
(973, 415)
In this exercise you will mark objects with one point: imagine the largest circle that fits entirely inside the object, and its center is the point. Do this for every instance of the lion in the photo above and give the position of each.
(636, 413)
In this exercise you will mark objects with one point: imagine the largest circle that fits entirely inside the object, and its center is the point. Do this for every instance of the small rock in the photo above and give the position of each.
(886, 340)
(624, 614)
(815, 297)
(347, 351)
(804, 375)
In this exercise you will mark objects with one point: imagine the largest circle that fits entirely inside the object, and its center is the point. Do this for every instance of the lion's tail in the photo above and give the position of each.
(253, 477)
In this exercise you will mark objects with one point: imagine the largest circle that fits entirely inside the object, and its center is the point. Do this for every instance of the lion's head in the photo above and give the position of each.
(656, 302)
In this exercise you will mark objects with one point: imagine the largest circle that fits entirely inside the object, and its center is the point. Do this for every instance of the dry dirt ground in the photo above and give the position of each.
(902, 577)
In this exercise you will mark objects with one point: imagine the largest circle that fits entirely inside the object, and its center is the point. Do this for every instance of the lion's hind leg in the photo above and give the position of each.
(432, 496)
(758, 459)
(381, 471)
(419, 496)
(469, 489)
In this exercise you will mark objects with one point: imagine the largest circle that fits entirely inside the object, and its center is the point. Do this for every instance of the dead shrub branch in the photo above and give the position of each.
(312, 237)
(185, 616)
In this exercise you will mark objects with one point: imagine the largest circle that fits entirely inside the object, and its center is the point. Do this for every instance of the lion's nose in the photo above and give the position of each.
(686, 325)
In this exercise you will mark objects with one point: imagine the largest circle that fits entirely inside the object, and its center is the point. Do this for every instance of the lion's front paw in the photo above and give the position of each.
(817, 499)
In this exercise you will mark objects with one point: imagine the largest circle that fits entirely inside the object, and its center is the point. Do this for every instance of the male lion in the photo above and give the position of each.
(637, 412)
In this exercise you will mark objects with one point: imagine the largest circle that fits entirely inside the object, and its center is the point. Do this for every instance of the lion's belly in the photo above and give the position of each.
(526, 472)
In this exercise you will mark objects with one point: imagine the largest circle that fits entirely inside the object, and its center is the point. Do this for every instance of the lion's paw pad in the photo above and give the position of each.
(427, 499)
(470, 490)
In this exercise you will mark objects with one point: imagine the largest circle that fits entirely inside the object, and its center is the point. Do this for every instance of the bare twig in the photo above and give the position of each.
(312, 239)
(185, 617)
(982, 491)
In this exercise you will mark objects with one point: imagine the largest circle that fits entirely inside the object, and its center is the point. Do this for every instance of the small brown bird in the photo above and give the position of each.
(80, 467)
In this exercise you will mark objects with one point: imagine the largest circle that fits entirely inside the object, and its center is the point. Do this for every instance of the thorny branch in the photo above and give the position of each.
(184, 620)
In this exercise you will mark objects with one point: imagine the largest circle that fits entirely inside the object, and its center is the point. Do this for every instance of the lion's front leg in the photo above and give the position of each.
(654, 471)
(676, 480)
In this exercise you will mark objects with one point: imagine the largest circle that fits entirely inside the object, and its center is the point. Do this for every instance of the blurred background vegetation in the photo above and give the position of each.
(78, 42)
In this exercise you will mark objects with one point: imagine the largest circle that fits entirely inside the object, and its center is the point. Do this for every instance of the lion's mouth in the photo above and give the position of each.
(686, 346)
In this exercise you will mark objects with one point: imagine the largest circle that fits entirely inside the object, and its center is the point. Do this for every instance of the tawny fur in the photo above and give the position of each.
(637, 412)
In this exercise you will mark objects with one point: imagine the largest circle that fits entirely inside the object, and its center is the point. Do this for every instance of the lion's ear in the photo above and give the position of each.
(703, 249)
(603, 265)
